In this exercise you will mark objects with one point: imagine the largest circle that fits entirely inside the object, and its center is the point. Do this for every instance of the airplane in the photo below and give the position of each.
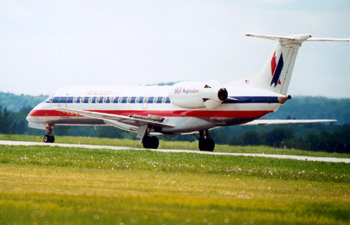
(190, 107)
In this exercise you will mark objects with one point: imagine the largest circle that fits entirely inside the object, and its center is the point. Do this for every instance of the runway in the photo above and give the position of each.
(295, 157)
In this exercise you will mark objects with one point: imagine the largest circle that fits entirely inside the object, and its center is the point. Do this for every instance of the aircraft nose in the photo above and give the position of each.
(34, 113)
(29, 117)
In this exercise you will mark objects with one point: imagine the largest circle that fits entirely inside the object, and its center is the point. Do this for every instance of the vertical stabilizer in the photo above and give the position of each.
(275, 75)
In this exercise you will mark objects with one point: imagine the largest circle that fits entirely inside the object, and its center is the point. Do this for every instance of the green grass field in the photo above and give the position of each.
(55, 185)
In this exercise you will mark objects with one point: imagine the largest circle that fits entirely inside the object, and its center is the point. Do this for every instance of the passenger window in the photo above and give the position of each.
(124, 99)
(159, 100)
(70, 100)
(112, 99)
(82, 100)
(155, 100)
(104, 99)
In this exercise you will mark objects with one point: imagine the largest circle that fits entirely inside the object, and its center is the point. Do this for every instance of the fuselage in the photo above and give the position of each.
(243, 104)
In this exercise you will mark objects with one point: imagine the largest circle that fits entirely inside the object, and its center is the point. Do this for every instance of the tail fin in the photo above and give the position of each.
(275, 75)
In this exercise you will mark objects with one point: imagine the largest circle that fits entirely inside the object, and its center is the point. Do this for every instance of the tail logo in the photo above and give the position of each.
(276, 70)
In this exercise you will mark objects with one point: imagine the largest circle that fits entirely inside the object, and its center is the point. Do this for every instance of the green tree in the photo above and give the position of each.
(109, 132)
(251, 138)
(6, 121)
(277, 135)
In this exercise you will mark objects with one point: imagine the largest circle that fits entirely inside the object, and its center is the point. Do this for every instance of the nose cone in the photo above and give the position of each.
(29, 117)
(34, 113)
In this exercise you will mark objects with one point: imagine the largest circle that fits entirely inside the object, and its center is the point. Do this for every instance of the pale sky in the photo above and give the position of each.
(45, 45)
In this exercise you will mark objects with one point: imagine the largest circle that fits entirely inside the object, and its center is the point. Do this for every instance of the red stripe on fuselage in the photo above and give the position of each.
(163, 113)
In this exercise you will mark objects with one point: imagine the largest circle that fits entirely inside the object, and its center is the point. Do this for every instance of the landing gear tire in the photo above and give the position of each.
(206, 144)
(150, 142)
(49, 138)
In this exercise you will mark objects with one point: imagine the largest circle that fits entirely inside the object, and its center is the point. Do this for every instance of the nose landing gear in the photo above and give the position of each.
(48, 137)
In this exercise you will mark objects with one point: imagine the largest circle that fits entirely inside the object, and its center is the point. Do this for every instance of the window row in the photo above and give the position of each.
(109, 100)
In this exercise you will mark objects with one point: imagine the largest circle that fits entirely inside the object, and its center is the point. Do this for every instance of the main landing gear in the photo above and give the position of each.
(150, 142)
(48, 137)
(205, 142)
(147, 141)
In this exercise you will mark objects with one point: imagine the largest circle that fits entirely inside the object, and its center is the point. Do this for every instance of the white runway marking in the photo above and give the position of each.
(295, 157)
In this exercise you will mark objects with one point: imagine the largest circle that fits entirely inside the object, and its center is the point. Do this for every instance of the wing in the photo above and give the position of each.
(111, 119)
(272, 122)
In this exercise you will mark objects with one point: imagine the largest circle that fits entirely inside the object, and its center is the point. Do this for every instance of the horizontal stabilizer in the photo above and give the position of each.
(297, 38)
(276, 122)
(330, 39)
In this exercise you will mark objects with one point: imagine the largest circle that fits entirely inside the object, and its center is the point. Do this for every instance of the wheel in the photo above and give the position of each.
(155, 142)
(210, 144)
(46, 138)
(147, 142)
(150, 142)
(206, 144)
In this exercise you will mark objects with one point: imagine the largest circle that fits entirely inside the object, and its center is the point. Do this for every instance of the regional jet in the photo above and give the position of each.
(192, 107)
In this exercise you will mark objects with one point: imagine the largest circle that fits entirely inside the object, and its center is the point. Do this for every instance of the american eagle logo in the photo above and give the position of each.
(276, 70)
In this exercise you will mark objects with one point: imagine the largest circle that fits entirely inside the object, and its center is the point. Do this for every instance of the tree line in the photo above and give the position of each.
(315, 140)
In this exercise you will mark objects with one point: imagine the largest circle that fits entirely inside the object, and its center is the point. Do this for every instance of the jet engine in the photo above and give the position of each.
(196, 95)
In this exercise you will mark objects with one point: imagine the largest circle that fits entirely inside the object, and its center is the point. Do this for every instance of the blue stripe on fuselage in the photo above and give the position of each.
(248, 99)
(233, 100)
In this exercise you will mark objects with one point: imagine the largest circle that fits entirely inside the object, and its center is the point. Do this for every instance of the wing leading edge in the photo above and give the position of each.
(291, 121)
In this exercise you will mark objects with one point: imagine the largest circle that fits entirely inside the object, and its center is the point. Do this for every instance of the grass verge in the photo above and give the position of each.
(54, 185)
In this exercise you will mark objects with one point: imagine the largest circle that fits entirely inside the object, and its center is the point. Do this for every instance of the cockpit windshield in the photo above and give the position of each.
(50, 98)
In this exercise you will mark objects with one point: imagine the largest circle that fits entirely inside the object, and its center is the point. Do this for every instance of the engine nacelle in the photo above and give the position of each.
(196, 95)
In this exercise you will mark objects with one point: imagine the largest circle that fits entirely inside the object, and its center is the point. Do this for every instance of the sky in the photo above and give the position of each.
(45, 45)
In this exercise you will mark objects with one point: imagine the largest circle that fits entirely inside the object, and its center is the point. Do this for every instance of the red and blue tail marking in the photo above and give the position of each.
(276, 70)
